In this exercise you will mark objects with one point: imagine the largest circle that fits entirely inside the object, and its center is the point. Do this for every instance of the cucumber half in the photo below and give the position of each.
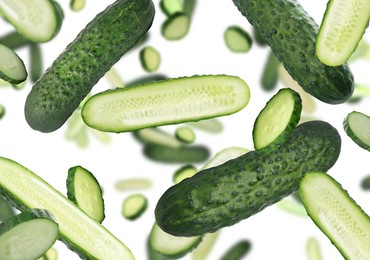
(28, 235)
(12, 68)
(341, 30)
(357, 127)
(237, 39)
(336, 214)
(176, 27)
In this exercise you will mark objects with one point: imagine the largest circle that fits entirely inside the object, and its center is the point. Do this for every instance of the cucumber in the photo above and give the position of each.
(2, 111)
(237, 251)
(337, 215)
(237, 39)
(189, 7)
(211, 199)
(185, 134)
(78, 231)
(213, 126)
(77, 5)
(12, 68)
(270, 73)
(94, 51)
(156, 136)
(357, 127)
(38, 21)
(175, 27)
(150, 59)
(134, 206)
(365, 183)
(277, 119)
(343, 25)
(225, 155)
(170, 7)
(205, 247)
(146, 79)
(84, 190)
(133, 184)
(313, 249)
(28, 235)
(291, 33)
(184, 172)
(166, 102)
(36, 67)
(14, 40)
(114, 78)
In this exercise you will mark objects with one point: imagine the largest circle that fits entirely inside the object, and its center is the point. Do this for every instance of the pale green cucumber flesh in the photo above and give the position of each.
(88, 239)
(224, 156)
(133, 184)
(341, 30)
(185, 134)
(336, 214)
(313, 249)
(166, 102)
(38, 21)
(28, 235)
(156, 136)
(12, 68)
(237, 39)
(134, 206)
(77, 5)
(176, 27)
(150, 59)
(84, 190)
(184, 172)
(170, 7)
(357, 127)
(277, 119)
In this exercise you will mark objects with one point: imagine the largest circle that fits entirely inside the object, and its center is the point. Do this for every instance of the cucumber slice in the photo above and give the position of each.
(224, 156)
(133, 184)
(205, 246)
(38, 21)
(357, 127)
(336, 214)
(313, 249)
(28, 235)
(166, 102)
(12, 68)
(36, 62)
(84, 190)
(2, 111)
(171, 246)
(277, 119)
(170, 7)
(134, 206)
(341, 30)
(237, 251)
(176, 27)
(6, 210)
(213, 126)
(237, 39)
(78, 231)
(185, 134)
(150, 59)
(184, 172)
(270, 74)
(156, 136)
(114, 78)
(77, 5)
(365, 183)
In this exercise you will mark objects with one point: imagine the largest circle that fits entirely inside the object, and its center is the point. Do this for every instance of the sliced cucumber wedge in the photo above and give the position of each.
(237, 39)
(176, 27)
(336, 214)
(80, 232)
(134, 206)
(84, 190)
(28, 235)
(38, 21)
(150, 59)
(357, 127)
(341, 30)
(12, 68)
(277, 119)
(166, 102)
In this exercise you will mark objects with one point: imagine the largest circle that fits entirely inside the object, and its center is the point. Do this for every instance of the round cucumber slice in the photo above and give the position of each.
(357, 127)
(237, 39)
(12, 68)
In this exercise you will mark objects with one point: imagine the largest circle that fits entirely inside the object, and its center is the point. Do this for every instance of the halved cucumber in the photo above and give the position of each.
(341, 30)
(166, 102)
(28, 235)
(150, 59)
(38, 21)
(176, 27)
(134, 206)
(237, 39)
(84, 190)
(12, 68)
(277, 119)
(357, 127)
(336, 214)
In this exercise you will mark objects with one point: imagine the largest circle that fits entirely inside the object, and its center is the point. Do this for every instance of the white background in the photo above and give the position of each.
(275, 234)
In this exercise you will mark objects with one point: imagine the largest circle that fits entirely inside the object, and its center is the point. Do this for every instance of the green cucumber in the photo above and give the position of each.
(166, 102)
(146, 79)
(270, 75)
(36, 67)
(170, 7)
(205, 247)
(2, 111)
(225, 155)
(94, 51)
(313, 249)
(150, 59)
(134, 206)
(365, 183)
(114, 78)
(14, 40)
(291, 33)
(185, 134)
(184, 172)
(343, 25)
(28, 235)
(133, 184)
(176, 26)
(277, 119)
(189, 7)
(38, 21)
(77, 5)
(84, 190)
(88, 239)
(156, 136)
(224, 195)
(6, 210)
(12, 68)
(357, 127)
(337, 215)
(237, 251)
(237, 39)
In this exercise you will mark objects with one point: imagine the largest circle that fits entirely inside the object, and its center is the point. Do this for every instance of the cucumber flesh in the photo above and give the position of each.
(12, 68)
(185, 134)
(38, 21)
(313, 249)
(166, 102)
(170, 7)
(134, 206)
(156, 136)
(150, 59)
(277, 119)
(341, 30)
(357, 127)
(176, 27)
(184, 172)
(237, 39)
(133, 184)
(89, 239)
(336, 214)
(28, 235)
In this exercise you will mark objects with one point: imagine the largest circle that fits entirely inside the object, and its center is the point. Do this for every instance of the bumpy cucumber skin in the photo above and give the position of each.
(224, 195)
(291, 33)
(73, 74)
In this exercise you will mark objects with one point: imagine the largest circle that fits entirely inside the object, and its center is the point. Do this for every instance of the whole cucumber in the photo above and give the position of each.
(291, 33)
(94, 51)
(224, 195)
